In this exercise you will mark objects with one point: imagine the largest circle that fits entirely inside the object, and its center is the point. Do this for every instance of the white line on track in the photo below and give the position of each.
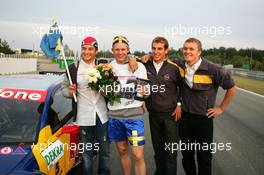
(250, 92)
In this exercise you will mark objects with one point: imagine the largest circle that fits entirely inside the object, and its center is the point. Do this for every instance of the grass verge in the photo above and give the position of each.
(250, 84)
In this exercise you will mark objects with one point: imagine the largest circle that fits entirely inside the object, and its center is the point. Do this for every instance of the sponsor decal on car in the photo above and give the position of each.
(25, 95)
(53, 153)
(6, 150)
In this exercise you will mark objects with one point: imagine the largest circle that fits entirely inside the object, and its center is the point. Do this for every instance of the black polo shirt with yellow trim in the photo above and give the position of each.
(206, 81)
(165, 87)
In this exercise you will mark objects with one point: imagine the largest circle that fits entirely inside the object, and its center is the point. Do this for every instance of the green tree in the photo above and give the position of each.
(68, 52)
(173, 53)
(4, 47)
(104, 54)
(139, 54)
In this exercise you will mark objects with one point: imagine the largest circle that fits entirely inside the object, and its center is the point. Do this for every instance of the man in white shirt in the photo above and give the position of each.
(90, 113)
(126, 123)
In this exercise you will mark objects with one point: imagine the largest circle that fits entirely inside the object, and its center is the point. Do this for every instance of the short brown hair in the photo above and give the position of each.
(194, 40)
(160, 39)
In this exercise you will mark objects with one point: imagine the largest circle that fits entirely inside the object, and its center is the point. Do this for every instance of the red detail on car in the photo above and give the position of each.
(25, 95)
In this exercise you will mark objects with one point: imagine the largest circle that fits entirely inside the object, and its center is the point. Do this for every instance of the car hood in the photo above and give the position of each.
(14, 157)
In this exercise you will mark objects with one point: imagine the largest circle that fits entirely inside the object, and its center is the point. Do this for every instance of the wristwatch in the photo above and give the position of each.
(178, 103)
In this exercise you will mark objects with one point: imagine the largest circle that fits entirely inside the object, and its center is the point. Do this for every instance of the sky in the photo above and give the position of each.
(228, 23)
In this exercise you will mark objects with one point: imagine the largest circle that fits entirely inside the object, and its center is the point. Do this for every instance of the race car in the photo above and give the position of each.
(36, 134)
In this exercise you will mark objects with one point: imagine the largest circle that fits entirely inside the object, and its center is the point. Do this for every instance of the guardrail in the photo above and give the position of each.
(247, 73)
(18, 56)
(24, 56)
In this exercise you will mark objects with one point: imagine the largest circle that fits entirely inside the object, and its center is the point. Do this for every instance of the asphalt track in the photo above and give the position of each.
(241, 126)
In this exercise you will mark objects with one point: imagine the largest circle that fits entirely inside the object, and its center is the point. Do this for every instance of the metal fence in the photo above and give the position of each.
(247, 73)
(18, 56)
(23, 56)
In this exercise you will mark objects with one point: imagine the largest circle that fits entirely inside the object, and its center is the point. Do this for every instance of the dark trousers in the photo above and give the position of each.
(164, 131)
(196, 129)
(94, 137)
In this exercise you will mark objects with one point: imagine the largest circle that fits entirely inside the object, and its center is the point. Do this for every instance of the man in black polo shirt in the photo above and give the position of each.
(199, 90)
(163, 106)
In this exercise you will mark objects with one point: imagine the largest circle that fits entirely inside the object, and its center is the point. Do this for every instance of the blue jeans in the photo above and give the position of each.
(94, 138)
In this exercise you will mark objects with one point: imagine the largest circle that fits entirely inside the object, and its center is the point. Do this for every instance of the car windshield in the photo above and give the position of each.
(19, 120)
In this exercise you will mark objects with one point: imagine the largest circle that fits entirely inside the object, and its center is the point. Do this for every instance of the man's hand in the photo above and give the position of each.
(214, 112)
(72, 89)
(143, 90)
(145, 58)
(133, 65)
(177, 113)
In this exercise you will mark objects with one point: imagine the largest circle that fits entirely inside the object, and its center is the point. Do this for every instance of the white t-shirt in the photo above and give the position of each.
(124, 74)
(89, 102)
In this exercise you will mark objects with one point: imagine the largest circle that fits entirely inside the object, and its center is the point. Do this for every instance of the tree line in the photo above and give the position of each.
(252, 59)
